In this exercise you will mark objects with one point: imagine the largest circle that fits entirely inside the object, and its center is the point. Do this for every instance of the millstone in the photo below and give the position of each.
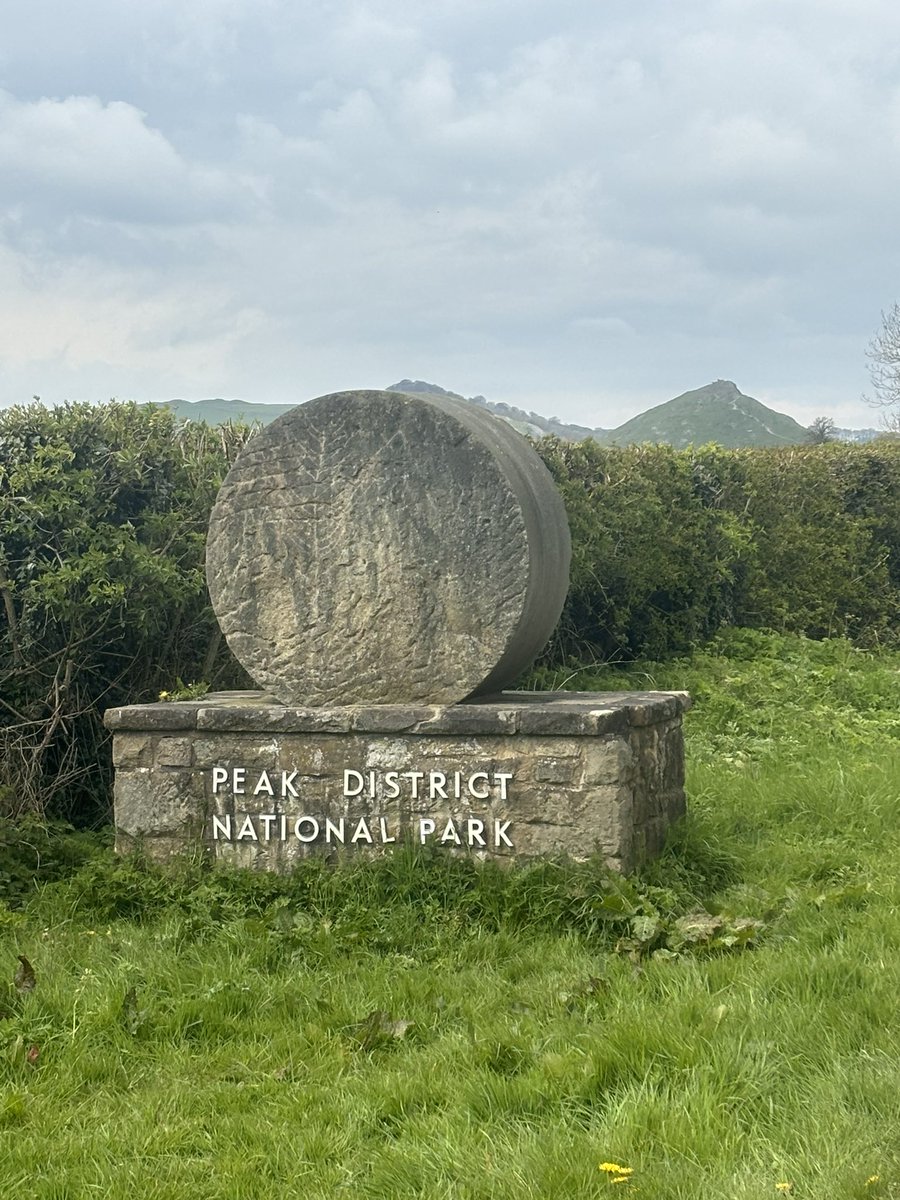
(379, 548)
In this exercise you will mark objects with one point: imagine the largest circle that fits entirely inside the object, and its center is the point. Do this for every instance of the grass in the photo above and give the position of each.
(421, 1028)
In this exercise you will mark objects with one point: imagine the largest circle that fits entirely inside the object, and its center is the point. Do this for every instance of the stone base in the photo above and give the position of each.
(520, 775)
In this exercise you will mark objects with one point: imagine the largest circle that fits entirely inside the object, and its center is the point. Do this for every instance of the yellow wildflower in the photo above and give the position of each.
(872, 1179)
(615, 1169)
(784, 1187)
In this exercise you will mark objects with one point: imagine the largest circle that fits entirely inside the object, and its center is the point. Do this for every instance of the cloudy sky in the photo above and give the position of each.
(582, 207)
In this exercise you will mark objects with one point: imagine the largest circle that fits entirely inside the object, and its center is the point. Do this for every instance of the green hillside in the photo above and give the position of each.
(719, 412)
(216, 412)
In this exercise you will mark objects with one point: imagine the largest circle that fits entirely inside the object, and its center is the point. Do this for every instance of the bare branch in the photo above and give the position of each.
(883, 353)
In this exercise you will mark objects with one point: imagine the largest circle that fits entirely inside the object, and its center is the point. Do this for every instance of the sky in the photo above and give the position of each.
(582, 208)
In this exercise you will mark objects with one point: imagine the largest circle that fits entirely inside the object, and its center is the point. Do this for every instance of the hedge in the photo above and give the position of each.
(103, 514)
(670, 545)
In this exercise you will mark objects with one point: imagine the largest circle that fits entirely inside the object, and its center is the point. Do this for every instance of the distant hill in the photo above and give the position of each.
(216, 412)
(719, 413)
(531, 423)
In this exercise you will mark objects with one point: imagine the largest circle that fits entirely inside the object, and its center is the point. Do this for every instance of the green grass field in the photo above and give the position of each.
(725, 1025)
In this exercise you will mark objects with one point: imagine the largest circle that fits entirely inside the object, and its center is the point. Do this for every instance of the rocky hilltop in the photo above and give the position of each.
(530, 423)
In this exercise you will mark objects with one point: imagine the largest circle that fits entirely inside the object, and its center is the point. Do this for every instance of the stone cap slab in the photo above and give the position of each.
(565, 714)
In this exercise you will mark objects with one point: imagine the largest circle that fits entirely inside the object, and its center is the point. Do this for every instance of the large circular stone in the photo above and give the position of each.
(380, 548)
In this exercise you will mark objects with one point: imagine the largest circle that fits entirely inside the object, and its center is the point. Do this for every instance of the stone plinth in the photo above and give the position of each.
(520, 775)
(377, 548)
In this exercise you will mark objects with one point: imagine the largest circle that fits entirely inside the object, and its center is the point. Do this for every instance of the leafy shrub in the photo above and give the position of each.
(671, 545)
(32, 852)
(657, 563)
(103, 515)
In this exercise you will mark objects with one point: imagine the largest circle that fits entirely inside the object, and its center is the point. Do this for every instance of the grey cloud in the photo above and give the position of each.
(634, 193)
(79, 155)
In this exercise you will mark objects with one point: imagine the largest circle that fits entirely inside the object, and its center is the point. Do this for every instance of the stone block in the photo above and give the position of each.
(163, 718)
(607, 760)
(392, 718)
(480, 720)
(557, 770)
(174, 752)
(274, 719)
(558, 720)
(648, 708)
(248, 750)
(150, 802)
(132, 750)
(449, 748)
(388, 753)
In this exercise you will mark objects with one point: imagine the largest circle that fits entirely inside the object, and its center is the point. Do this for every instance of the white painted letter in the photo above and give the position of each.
(436, 788)
(315, 829)
(264, 785)
(485, 795)
(361, 833)
(237, 777)
(414, 777)
(450, 834)
(247, 830)
(382, 821)
(268, 820)
(500, 828)
(222, 825)
(360, 783)
(390, 781)
(337, 830)
(474, 830)
(220, 775)
(426, 829)
(287, 783)
(504, 777)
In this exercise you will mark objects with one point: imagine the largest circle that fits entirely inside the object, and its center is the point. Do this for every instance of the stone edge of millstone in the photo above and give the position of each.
(573, 714)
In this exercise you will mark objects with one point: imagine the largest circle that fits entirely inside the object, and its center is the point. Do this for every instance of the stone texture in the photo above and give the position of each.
(174, 752)
(132, 750)
(377, 548)
(149, 801)
(597, 773)
(167, 717)
(269, 717)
